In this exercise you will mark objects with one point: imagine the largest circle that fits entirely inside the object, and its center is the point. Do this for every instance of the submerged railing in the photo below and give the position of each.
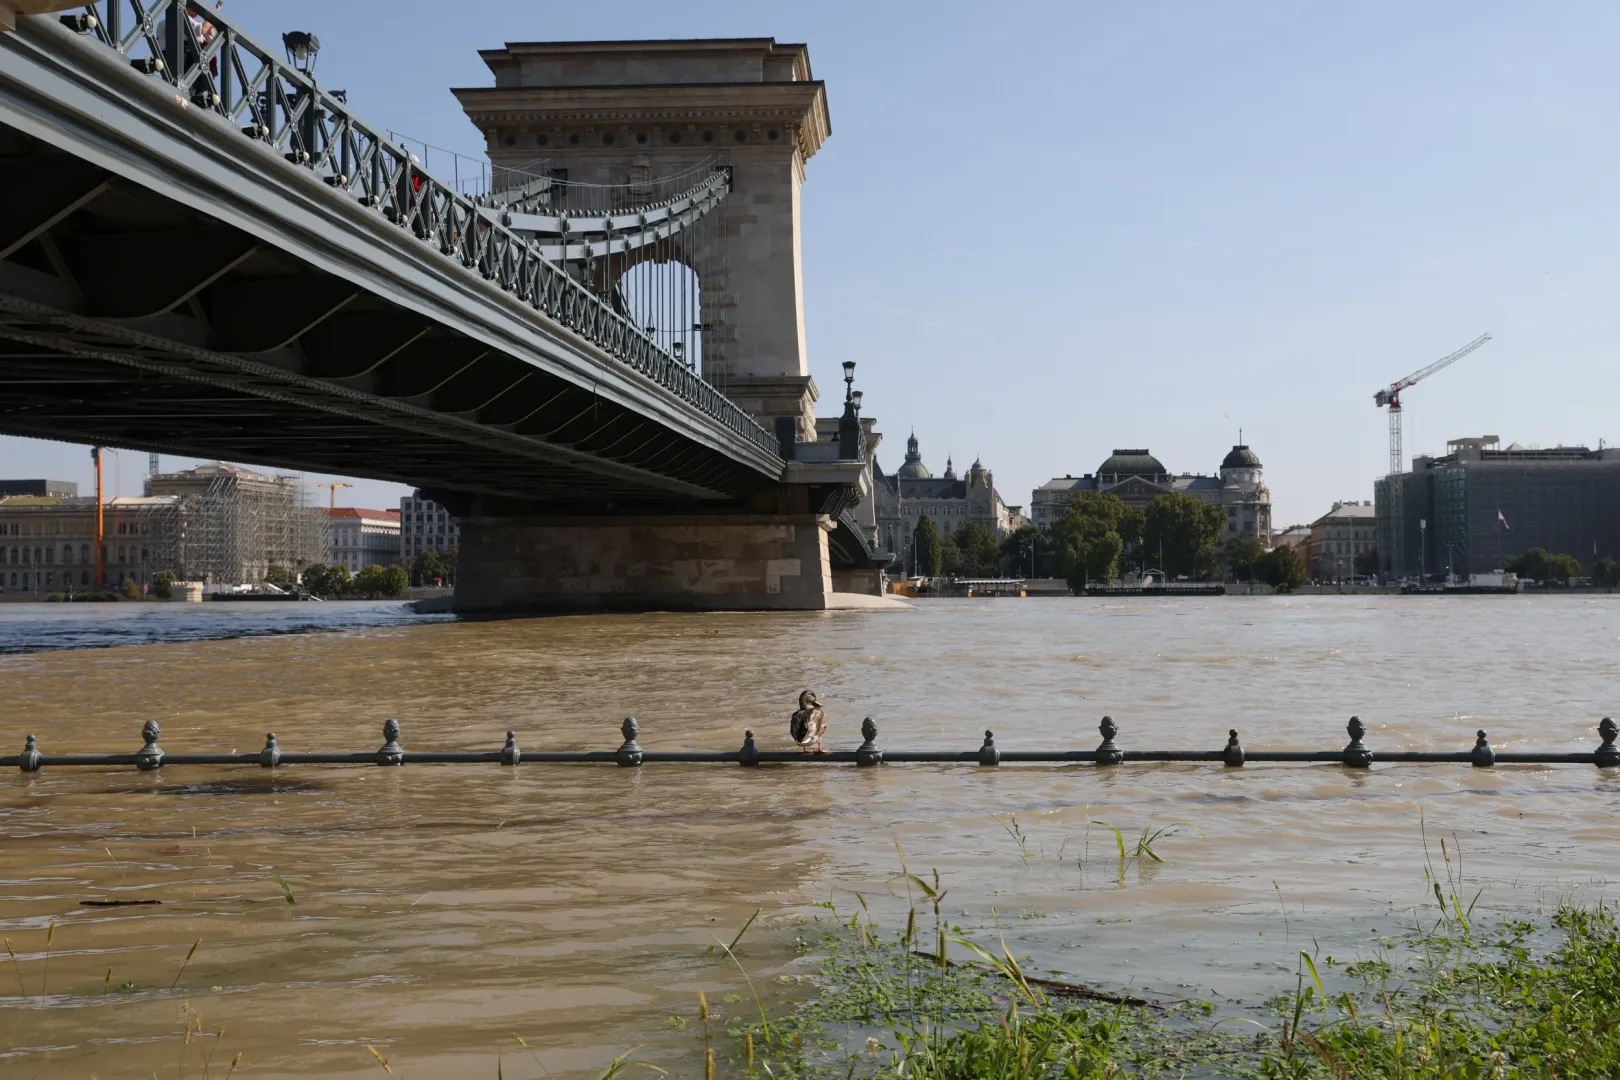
(1355, 755)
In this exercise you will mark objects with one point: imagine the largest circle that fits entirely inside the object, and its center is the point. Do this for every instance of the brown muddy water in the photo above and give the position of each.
(442, 909)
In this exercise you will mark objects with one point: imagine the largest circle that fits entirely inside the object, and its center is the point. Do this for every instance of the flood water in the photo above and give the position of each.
(442, 909)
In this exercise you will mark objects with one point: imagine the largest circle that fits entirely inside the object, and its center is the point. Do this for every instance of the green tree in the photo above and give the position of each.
(130, 590)
(1282, 568)
(1534, 564)
(426, 567)
(1240, 555)
(163, 585)
(396, 581)
(1367, 562)
(1606, 573)
(927, 548)
(371, 582)
(327, 581)
(1185, 533)
(278, 575)
(1025, 551)
(950, 557)
(1092, 560)
(977, 550)
(1561, 568)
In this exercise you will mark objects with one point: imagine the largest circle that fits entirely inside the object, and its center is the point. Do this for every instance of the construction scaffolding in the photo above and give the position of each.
(231, 526)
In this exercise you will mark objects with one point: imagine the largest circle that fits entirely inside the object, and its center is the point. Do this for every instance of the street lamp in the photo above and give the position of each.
(302, 49)
(849, 378)
(1423, 546)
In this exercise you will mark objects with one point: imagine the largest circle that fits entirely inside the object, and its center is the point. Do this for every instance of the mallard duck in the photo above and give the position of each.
(809, 724)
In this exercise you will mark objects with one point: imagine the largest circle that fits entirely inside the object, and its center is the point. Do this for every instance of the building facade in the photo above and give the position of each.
(362, 538)
(1137, 477)
(1338, 538)
(902, 498)
(48, 543)
(61, 489)
(1480, 505)
(424, 525)
(235, 524)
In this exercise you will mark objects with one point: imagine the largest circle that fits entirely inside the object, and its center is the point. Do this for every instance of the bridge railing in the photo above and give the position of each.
(1355, 755)
(216, 67)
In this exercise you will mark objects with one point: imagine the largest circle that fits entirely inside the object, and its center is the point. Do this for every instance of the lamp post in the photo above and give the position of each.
(849, 425)
(1423, 550)
(303, 48)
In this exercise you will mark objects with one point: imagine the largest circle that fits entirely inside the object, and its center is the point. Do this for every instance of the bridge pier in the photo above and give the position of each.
(698, 562)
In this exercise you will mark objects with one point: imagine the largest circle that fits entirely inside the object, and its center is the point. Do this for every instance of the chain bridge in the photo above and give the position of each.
(593, 351)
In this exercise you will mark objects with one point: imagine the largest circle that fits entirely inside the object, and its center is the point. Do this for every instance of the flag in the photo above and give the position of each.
(1502, 519)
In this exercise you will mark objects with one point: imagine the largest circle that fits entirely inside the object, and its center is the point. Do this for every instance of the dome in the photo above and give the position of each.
(1131, 463)
(1241, 457)
(913, 469)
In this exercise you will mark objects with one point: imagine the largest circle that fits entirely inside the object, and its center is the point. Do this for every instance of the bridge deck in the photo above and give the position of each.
(169, 283)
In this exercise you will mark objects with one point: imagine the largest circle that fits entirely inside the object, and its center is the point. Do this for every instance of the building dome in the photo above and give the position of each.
(1241, 457)
(913, 469)
(1131, 463)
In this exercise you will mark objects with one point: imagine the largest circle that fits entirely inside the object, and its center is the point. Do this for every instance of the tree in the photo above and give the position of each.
(373, 582)
(1240, 555)
(278, 575)
(1024, 550)
(1367, 562)
(1606, 573)
(396, 581)
(1187, 531)
(1092, 560)
(1282, 568)
(1561, 568)
(925, 543)
(163, 585)
(1533, 564)
(426, 567)
(327, 581)
(977, 550)
(131, 590)
(950, 557)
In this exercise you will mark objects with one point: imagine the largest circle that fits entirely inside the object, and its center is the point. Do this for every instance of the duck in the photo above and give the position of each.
(809, 724)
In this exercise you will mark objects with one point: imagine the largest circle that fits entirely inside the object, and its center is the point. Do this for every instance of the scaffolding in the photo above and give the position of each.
(231, 526)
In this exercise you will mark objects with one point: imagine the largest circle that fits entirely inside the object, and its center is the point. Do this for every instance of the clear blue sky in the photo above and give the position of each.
(1047, 230)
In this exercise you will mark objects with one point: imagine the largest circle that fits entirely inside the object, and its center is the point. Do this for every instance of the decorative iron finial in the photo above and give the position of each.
(1107, 752)
(1482, 756)
(629, 755)
(270, 756)
(150, 756)
(749, 754)
(390, 752)
(510, 754)
(29, 762)
(868, 753)
(1607, 755)
(1356, 755)
(1233, 757)
(988, 754)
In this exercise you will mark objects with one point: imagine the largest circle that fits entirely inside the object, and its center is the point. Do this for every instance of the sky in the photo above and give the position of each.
(1046, 230)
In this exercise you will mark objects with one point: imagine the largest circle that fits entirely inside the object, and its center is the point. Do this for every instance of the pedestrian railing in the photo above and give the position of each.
(1355, 755)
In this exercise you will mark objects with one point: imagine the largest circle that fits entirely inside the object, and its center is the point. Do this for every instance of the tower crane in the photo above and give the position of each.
(330, 485)
(1391, 396)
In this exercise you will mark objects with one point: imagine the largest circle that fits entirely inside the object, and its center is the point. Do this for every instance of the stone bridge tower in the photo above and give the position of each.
(616, 112)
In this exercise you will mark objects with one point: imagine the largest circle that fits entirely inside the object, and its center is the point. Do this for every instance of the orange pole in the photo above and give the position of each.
(101, 575)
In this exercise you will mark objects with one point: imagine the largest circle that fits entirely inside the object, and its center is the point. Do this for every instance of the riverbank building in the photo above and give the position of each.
(1137, 477)
(902, 498)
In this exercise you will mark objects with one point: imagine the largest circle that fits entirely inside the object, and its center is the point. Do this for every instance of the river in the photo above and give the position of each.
(442, 909)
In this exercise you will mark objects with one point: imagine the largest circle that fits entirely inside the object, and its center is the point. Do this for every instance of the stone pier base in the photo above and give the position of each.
(689, 563)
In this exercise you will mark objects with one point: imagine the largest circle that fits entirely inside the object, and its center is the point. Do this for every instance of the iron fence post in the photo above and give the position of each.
(988, 754)
(1107, 752)
(29, 762)
(270, 756)
(868, 753)
(1607, 755)
(1356, 755)
(149, 756)
(1482, 756)
(510, 754)
(629, 754)
(749, 754)
(1233, 757)
(391, 752)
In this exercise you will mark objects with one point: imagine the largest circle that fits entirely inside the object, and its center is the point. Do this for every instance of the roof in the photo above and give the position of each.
(136, 501)
(1131, 463)
(1241, 457)
(355, 513)
(1349, 510)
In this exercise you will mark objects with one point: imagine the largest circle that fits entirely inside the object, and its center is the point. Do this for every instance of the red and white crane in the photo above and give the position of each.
(1391, 396)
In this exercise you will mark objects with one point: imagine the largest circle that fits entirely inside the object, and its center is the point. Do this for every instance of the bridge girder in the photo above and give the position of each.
(176, 287)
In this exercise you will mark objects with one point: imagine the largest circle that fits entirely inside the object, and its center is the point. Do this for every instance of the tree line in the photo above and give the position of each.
(1099, 537)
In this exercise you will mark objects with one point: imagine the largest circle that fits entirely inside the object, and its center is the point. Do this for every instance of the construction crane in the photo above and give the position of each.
(333, 485)
(1391, 396)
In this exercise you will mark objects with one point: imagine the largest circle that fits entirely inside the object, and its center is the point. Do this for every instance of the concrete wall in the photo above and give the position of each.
(694, 563)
